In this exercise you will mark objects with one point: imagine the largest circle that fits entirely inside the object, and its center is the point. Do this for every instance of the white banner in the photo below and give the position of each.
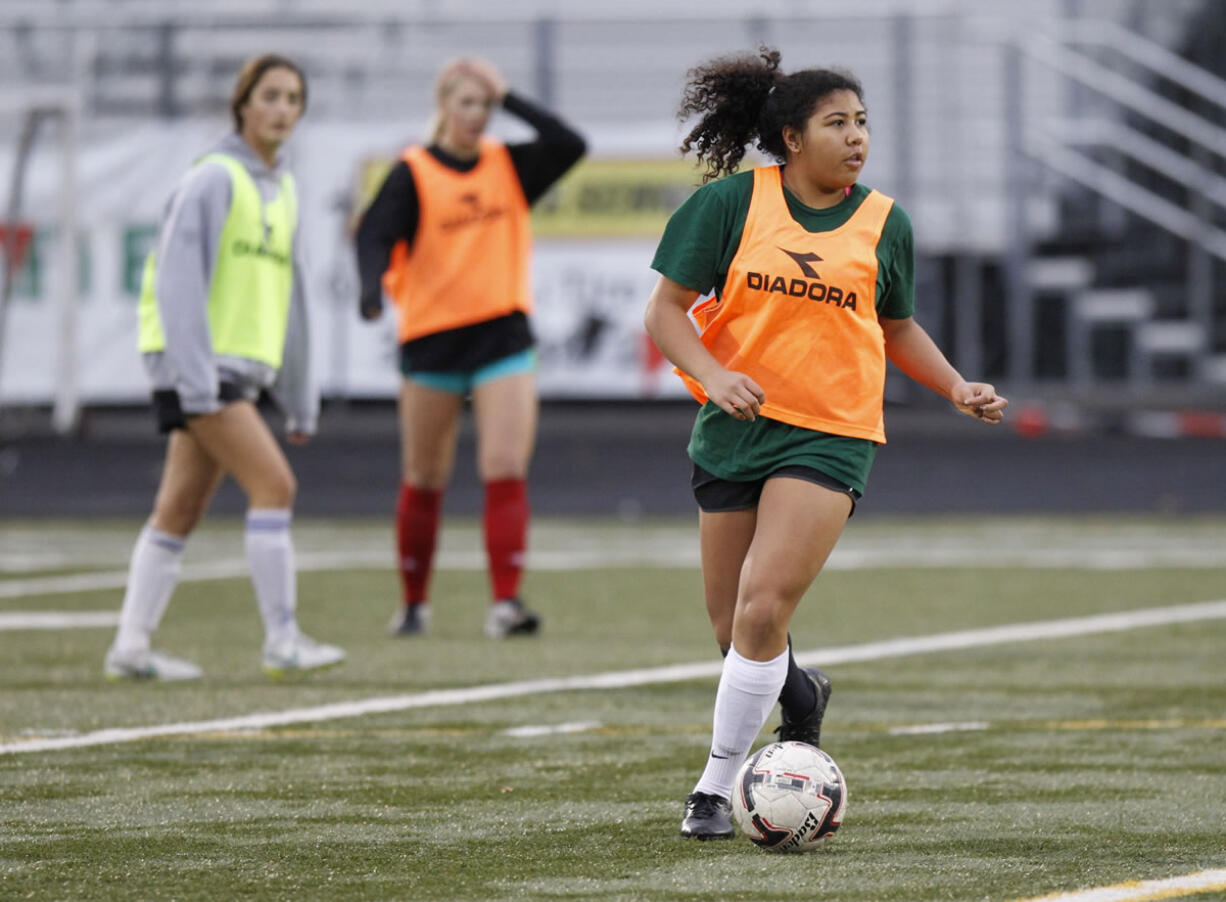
(590, 293)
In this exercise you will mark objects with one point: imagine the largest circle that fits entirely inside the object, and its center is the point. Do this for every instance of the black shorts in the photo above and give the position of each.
(468, 347)
(169, 410)
(716, 496)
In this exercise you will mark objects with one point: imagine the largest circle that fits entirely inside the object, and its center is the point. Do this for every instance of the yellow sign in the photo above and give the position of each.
(604, 198)
(599, 198)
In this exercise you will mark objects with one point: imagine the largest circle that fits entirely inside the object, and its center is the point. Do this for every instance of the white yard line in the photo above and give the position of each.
(56, 620)
(225, 568)
(622, 679)
(57, 585)
(552, 729)
(932, 729)
(660, 555)
(1062, 628)
(1144, 890)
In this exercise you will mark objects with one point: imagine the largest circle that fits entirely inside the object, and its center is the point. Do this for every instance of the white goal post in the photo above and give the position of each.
(33, 115)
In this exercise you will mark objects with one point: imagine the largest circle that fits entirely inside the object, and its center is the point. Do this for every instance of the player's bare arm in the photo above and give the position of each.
(913, 351)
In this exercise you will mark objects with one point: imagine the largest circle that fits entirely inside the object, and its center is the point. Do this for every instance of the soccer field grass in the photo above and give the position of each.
(977, 771)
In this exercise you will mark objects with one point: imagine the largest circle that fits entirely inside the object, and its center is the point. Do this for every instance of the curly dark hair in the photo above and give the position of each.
(745, 99)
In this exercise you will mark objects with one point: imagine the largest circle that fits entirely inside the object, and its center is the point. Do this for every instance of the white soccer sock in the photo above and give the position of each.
(747, 693)
(153, 573)
(270, 555)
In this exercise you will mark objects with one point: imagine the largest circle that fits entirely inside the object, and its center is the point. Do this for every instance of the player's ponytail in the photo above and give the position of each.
(745, 99)
(728, 94)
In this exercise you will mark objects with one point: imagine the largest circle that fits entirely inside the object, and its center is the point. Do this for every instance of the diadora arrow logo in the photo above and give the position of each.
(803, 261)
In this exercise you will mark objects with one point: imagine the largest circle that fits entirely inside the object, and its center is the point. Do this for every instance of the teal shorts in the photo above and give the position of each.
(462, 382)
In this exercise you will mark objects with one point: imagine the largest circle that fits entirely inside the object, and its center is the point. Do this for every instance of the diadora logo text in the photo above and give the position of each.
(472, 213)
(809, 286)
(244, 248)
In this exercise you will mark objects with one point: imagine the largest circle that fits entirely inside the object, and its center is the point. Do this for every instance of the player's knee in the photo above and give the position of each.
(177, 515)
(764, 610)
(425, 477)
(277, 491)
(286, 488)
(496, 466)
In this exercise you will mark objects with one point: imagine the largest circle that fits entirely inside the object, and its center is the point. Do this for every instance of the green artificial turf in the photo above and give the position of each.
(1073, 762)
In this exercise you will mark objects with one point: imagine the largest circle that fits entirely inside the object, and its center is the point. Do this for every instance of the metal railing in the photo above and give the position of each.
(1070, 148)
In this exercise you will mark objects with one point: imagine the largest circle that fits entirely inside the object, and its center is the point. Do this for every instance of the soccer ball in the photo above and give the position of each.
(788, 797)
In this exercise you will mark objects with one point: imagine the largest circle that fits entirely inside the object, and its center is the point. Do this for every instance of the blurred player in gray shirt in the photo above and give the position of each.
(222, 319)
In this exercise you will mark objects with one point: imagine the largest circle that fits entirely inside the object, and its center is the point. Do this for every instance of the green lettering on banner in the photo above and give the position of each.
(136, 243)
(30, 284)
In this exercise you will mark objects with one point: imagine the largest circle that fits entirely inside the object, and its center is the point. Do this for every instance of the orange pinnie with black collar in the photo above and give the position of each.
(469, 259)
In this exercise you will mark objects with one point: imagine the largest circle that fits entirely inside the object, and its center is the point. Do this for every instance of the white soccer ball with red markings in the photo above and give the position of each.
(788, 797)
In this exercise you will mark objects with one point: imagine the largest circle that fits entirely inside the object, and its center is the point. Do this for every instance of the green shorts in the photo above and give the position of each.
(740, 451)
(462, 382)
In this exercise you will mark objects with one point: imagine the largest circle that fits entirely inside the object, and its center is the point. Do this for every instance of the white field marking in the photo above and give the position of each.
(56, 620)
(225, 568)
(1069, 558)
(923, 729)
(1144, 890)
(1018, 632)
(577, 726)
(662, 556)
(1084, 542)
(623, 679)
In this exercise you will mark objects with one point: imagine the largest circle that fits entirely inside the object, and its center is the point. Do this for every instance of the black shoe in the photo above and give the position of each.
(707, 817)
(411, 620)
(808, 729)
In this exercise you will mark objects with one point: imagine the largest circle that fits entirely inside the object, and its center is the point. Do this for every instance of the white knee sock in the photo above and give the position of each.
(747, 693)
(153, 573)
(270, 555)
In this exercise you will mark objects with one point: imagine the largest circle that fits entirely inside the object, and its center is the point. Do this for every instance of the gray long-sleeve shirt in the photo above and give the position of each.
(186, 253)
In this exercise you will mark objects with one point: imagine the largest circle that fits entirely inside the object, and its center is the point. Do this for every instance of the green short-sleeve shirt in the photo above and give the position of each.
(696, 251)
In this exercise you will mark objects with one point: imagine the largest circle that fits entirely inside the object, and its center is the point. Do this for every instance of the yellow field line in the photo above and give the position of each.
(921, 729)
(1144, 890)
(1177, 724)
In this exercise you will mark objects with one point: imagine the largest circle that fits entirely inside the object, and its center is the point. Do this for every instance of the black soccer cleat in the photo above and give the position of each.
(808, 729)
(707, 817)
(411, 620)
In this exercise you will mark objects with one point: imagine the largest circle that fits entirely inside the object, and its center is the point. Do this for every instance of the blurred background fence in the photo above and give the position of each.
(1062, 161)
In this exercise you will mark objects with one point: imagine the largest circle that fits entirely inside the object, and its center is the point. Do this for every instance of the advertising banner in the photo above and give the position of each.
(595, 235)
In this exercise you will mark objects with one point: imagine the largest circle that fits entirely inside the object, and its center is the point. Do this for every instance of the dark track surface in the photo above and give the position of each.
(629, 460)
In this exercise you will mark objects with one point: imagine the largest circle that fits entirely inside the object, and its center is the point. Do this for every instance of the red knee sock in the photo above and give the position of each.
(416, 534)
(506, 534)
